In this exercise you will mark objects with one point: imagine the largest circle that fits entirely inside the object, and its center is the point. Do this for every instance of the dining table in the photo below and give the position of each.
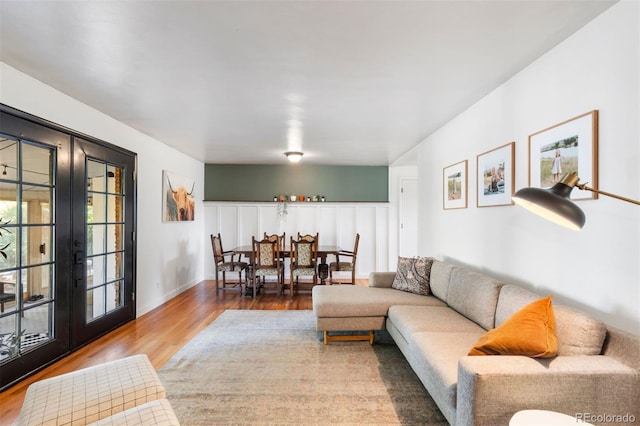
(322, 252)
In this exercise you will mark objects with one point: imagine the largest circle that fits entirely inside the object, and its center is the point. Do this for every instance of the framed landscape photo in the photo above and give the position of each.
(454, 179)
(571, 146)
(496, 178)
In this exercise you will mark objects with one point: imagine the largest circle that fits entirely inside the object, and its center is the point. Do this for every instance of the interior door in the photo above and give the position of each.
(103, 240)
(408, 217)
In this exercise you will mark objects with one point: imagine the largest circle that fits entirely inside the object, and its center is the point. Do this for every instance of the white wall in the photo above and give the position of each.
(170, 255)
(597, 269)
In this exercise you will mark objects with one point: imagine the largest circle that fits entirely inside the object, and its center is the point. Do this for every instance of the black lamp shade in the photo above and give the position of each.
(553, 204)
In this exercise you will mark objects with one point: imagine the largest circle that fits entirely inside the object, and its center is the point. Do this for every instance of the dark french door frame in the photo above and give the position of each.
(24, 126)
(82, 331)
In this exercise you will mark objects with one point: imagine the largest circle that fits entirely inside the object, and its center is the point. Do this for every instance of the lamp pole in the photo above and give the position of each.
(584, 186)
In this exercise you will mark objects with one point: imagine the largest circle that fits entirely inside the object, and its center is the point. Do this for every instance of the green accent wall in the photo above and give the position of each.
(261, 182)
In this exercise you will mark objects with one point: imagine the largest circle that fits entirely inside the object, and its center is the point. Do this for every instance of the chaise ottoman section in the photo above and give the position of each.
(359, 308)
(434, 358)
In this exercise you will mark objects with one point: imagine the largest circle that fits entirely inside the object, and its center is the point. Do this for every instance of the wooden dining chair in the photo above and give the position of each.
(225, 261)
(282, 246)
(350, 265)
(303, 256)
(266, 261)
(309, 237)
(281, 239)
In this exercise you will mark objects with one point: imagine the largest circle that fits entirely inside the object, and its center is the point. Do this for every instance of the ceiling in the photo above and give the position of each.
(346, 82)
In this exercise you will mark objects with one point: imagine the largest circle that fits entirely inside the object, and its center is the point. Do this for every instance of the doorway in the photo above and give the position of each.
(67, 248)
(408, 217)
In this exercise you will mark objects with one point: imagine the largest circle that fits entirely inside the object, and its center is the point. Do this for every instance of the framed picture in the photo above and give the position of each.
(496, 177)
(454, 179)
(178, 202)
(571, 146)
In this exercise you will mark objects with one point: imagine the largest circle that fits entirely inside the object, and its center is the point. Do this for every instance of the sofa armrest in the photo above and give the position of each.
(381, 279)
(491, 389)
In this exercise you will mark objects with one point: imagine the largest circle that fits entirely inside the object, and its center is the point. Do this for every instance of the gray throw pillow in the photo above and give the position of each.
(413, 275)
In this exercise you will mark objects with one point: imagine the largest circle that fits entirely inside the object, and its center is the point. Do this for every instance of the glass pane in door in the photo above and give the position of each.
(27, 232)
(105, 251)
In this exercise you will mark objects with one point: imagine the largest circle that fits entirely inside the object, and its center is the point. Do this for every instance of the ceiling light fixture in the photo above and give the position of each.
(555, 204)
(294, 156)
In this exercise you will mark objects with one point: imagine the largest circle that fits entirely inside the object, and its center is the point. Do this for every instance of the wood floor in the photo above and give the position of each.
(159, 333)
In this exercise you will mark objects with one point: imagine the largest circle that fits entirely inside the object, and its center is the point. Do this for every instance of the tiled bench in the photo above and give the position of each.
(116, 392)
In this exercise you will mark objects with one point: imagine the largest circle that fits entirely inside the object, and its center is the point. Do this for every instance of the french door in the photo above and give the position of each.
(103, 240)
(67, 249)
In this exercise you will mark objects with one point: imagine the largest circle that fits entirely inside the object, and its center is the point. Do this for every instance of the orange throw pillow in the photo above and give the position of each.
(530, 332)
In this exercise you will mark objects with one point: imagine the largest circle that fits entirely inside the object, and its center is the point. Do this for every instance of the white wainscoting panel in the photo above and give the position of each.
(337, 224)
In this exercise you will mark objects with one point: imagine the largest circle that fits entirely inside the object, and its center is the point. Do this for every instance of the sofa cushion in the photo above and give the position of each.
(434, 357)
(381, 279)
(350, 323)
(578, 333)
(529, 332)
(474, 295)
(439, 279)
(439, 319)
(412, 275)
(512, 298)
(360, 301)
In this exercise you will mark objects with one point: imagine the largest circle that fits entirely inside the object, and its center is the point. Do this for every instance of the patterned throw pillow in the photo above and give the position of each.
(413, 274)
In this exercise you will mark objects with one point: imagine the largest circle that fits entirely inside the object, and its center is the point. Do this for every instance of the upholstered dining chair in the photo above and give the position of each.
(303, 256)
(350, 265)
(224, 262)
(282, 246)
(266, 261)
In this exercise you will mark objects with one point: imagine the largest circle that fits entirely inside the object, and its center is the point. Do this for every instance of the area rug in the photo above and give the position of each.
(271, 367)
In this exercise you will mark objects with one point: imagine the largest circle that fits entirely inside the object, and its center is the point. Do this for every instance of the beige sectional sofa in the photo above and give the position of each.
(596, 372)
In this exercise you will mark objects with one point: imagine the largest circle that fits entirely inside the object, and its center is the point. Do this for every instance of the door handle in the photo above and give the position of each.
(77, 258)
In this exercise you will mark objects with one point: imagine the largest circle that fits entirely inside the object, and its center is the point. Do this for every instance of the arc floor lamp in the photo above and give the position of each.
(554, 204)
